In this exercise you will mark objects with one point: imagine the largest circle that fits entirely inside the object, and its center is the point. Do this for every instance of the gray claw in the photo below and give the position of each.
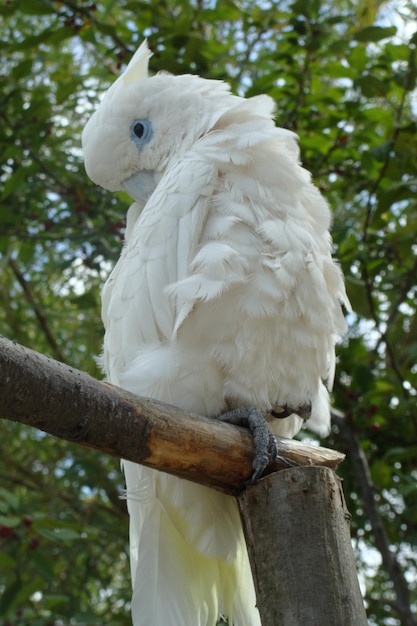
(266, 448)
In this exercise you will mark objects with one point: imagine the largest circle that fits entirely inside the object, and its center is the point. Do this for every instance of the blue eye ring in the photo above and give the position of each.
(141, 132)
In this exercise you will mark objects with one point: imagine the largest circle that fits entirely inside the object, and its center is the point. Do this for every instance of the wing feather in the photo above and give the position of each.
(136, 307)
(264, 265)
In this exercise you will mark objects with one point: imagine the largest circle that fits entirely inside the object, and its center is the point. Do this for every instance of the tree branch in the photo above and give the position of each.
(72, 405)
(40, 316)
(367, 489)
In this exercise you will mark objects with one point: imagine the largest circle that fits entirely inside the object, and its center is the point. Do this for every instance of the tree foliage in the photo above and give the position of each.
(343, 75)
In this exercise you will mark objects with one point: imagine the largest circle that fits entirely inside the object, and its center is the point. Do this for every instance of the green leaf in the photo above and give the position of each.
(390, 197)
(25, 590)
(8, 597)
(381, 473)
(48, 36)
(8, 9)
(9, 521)
(85, 301)
(54, 601)
(401, 453)
(348, 246)
(36, 7)
(9, 498)
(14, 182)
(44, 566)
(381, 152)
(371, 86)
(24, 68)
(384, 386)
(7, 562)
(375, 33)
(356, 293)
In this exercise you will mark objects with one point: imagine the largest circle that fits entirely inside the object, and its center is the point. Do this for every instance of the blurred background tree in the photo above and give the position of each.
(343, 75)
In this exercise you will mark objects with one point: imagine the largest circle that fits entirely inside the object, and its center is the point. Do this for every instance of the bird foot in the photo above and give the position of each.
(266, 448)
(303, 411)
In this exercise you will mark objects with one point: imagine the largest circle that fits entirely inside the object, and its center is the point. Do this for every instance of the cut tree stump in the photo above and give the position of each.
(297, 531)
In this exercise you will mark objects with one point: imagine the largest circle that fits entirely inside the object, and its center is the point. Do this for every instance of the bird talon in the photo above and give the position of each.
(266, 448)
(254, 478)
(272, 447)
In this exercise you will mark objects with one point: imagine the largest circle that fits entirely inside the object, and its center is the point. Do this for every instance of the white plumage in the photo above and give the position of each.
(225, 295)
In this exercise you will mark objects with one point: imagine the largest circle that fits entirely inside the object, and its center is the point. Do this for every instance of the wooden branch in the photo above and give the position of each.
(296, 526)
(70, 404)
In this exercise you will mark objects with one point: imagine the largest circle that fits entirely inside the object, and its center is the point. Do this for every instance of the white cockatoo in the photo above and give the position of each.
(225, 296)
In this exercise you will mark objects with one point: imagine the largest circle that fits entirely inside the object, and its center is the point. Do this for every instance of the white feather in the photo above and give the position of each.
(225, 295)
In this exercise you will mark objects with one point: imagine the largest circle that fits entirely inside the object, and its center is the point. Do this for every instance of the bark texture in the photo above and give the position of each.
(297, 531)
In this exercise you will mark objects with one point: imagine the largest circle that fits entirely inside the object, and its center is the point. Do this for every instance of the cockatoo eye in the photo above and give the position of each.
(141, 132)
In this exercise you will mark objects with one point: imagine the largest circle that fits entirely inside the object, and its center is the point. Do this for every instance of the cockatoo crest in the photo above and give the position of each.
(137, 69)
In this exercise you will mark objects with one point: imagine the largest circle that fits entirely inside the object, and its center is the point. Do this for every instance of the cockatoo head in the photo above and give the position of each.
(143, 123)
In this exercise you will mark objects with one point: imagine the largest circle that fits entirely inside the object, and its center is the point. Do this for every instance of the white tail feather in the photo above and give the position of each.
(188, 556)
